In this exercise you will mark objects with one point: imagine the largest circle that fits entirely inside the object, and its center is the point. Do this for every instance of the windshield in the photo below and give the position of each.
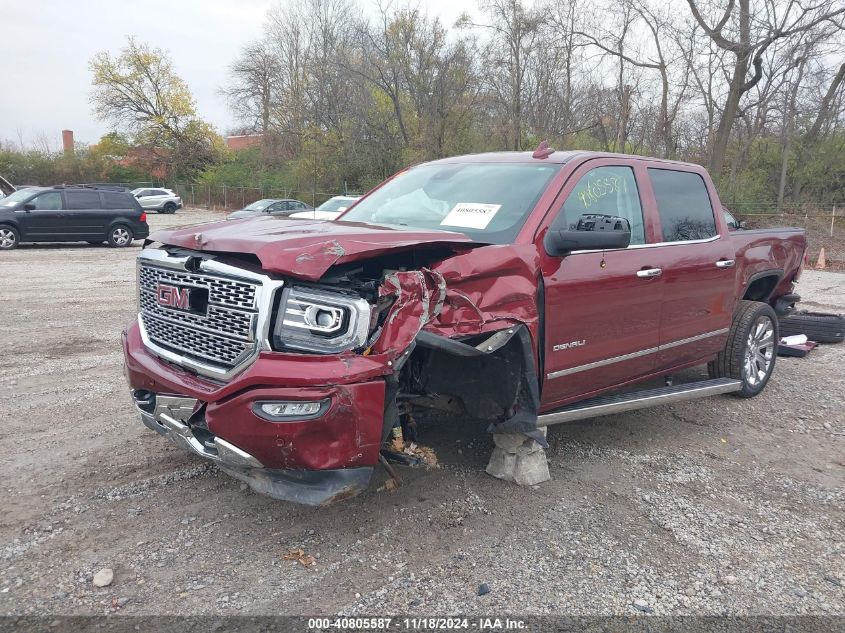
(335, 204)
(487, 202)
(259, 205)
(16, 197)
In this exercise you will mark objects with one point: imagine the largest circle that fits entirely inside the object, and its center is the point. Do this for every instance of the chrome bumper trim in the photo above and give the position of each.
(168, 419)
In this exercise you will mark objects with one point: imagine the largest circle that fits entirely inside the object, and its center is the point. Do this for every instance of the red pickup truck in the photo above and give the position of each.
(520, 289)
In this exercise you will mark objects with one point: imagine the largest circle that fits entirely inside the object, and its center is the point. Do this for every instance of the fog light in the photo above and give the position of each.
(289, 411)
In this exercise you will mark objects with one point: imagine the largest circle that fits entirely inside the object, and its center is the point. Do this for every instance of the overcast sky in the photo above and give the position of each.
(46, 45)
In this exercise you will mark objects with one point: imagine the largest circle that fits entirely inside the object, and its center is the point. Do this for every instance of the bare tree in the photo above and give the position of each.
(515, 30)
(746, 32)
(255, 85)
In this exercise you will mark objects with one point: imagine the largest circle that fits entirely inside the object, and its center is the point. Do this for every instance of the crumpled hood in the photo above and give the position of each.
(304, 248)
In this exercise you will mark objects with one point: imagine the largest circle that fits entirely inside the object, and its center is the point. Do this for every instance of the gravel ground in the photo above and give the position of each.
(720, 506)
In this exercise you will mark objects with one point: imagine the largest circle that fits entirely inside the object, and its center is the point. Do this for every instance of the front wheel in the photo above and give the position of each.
(119, 236)
(9, 238)
(751, 349)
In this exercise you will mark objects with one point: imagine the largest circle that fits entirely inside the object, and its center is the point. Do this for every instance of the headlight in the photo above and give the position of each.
(322, 322)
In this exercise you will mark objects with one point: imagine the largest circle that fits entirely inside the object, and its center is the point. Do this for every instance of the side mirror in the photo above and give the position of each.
(593, 232)
(29, 207)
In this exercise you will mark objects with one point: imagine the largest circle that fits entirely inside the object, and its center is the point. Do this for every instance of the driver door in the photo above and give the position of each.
(47, 220)
(602, 309)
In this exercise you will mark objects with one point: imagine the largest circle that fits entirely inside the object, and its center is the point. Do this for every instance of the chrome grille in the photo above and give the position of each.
(219, 320)
(224, 336)
(228, 292)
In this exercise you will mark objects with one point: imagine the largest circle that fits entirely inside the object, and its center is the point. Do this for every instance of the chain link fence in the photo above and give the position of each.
(823, 222)
(227, 198)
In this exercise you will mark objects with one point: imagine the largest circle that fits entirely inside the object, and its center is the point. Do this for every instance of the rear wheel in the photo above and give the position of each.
(119, 236)
(9, 238)
(170, 207)
(751, 349)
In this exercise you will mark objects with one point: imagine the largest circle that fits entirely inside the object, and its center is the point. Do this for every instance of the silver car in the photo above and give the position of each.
(160, 200)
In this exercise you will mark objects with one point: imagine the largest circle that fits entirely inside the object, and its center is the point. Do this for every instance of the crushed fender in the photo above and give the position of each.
(477, 315)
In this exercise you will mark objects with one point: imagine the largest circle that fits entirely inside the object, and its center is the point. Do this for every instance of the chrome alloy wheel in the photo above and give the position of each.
(759, 351)
(120, 236)
(7, 238)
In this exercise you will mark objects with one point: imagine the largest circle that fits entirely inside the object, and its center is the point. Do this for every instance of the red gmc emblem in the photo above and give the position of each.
(173, 297)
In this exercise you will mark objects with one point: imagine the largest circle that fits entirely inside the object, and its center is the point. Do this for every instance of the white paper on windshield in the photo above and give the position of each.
(471, 215)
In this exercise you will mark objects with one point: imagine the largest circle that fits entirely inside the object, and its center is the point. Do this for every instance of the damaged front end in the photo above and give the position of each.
(291, 372)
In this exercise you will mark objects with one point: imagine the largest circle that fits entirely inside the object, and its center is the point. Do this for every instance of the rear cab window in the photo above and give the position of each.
(683, 205)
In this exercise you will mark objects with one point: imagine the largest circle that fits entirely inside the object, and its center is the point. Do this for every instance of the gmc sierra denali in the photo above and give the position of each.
(520, 289)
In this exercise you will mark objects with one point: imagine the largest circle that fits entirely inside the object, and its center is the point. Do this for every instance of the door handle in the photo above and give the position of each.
(646, 273)
(725, 263)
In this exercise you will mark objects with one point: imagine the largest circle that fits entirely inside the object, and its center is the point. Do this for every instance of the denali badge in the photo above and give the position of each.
(562, 346)
(173, 297)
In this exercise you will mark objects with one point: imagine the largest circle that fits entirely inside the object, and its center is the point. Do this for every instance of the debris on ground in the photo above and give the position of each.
(425, 453)
(299, 555)
(483, 589)
(641, 605)
(390, 485)
(103, 578)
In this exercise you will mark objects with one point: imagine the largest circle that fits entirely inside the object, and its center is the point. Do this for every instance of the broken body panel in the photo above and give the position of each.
(494, 327)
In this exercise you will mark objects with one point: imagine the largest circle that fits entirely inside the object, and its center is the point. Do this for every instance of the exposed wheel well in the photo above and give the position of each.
(761, 287)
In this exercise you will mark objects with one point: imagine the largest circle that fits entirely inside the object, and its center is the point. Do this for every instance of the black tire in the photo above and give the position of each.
(9, 237)
(752, 341)
(819, 327)
(170, 207)
(120, 236)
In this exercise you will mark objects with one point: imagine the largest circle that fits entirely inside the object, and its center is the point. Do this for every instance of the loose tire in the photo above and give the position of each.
(751, 349)
(822, 328)
(9, 237)
(170, 207)
(120, 235)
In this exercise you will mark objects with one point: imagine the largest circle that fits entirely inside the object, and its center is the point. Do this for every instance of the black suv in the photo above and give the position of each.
(71, 214)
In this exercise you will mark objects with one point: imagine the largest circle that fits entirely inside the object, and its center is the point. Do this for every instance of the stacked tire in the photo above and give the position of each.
(817, 326)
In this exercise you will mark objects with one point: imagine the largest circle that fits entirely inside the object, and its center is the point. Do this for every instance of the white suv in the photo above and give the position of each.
(161, 200)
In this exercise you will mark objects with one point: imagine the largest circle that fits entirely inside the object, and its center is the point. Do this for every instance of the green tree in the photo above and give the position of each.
(139, 93)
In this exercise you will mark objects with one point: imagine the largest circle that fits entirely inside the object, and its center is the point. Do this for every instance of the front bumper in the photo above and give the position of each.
(311, 461)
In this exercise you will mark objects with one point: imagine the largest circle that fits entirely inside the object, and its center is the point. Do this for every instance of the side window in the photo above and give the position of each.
(159, 192)
(47, 201)
(605, 191)
(683, 205)
(83, 200)
(297, 205)
(144, 193)
(117, 201)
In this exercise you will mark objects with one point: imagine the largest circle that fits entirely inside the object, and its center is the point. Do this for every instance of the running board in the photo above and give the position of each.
(617, 403)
